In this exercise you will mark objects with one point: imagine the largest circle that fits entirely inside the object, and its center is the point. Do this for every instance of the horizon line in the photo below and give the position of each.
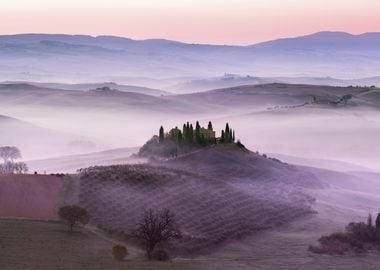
(189, 43)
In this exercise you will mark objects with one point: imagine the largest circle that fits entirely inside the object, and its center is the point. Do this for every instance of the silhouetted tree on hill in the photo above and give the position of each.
(227, 133)
(156, 228)
(162, 135)
(191, 133)
(180, 137)
(209, 127)
(197, 133)
(378, 221)
(222, 137)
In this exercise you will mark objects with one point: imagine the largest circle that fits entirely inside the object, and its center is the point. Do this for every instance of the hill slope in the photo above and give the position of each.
(232, 194)
(92, 86)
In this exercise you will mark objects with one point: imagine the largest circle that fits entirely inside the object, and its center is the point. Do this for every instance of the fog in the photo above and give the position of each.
(147, 79)
(62, 122)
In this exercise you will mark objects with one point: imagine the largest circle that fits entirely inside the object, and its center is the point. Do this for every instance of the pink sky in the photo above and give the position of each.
(196, 21)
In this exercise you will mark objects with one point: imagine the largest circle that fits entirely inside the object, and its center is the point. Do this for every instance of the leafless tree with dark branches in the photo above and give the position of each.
(156, 228)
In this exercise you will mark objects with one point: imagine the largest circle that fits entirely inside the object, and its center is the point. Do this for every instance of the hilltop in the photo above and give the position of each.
(178, 142)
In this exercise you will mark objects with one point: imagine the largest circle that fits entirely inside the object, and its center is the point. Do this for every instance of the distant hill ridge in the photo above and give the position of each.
(118, 41)
(334, 54)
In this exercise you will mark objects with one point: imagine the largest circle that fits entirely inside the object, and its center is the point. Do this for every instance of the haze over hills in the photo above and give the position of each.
(32, 139)
(233, 80)
(85, 58)
(315, 122)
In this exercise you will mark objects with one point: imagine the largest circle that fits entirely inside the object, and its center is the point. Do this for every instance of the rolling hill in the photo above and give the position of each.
(226, 198)
(233, 80)
(93, 86)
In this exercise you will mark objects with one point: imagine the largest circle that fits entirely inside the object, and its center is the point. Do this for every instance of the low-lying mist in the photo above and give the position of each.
(64, 122)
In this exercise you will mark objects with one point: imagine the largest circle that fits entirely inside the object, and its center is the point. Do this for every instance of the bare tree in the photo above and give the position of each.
(73, 214)
(9, 153)
(156, 228)
(20, 167)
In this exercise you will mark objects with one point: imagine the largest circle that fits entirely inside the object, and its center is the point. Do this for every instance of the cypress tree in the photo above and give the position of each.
(222, 137)
(227, 133)
(209, 126)
(184, 131)
(191, 133)
(233, 136)
(179, 136)
(161, 136)
(197, 133)
(188, 135)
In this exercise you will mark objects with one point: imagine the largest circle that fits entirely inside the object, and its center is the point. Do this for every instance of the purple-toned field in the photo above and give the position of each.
(29, 196)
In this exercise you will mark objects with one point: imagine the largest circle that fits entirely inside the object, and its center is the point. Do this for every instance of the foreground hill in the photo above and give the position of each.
(222, 210)
(231, 195)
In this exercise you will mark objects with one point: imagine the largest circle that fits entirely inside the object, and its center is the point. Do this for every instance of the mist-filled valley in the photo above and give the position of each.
(273, 165)
(296, 120)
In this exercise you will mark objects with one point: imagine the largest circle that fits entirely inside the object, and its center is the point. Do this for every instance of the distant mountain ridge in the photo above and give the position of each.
(117, 42)
(325, 40)
(82, 58)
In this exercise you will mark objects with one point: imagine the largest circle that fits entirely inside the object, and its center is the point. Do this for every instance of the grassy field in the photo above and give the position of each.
(26, 244)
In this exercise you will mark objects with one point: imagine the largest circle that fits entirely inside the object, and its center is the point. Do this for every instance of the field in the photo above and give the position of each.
(31, 244)
(29, 196)
(48, 245)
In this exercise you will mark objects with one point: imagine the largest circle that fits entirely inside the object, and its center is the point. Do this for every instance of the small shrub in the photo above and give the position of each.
(239, 144)
(358, 237)
(160, 255)
(119, 252)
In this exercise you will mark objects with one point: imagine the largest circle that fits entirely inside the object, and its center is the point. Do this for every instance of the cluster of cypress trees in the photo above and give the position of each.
(190, 135)
(227, 135)
(188, 132)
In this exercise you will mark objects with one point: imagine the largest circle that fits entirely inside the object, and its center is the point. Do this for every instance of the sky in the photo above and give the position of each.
(239, 22)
